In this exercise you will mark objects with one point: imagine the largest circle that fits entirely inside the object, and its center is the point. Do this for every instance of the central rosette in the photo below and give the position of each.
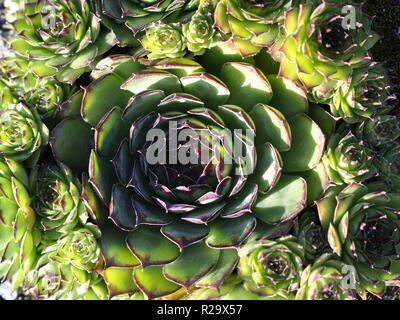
(187, 165)
(192, 158)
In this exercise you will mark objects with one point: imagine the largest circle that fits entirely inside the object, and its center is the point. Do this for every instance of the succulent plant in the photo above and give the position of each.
(362, 226)
(7, 96)
(18, 237)
(164, 41)
(77, 248)
(326, 280)
(51, 280)
(127, 18)
(271, 267)
(232, 289)
(66, 268)
(199, 149)
(22, 133)
(310, 235)
(379, 131)
(348, 158)
(388, 164)
(363, 97)
(315, 49)
(58, 200)
(44, 95)
(200, 33)
(165, 214)
(249, 25)
(62, 38)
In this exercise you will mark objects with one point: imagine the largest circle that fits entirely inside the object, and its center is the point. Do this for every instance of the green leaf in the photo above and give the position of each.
(179, 66)
(119, 281)
(151, 247)
(184, 233)
(101, 96)
(317, 182)
(84, 58)
(271, 126)
(334, 240)
(226, 263)
(214, 58)
(153, 283)
(287, 97)
(268, 169)
(109, 133)
(248, 85)
(283, 202)
(114, 249)
(209, 89)
(102, 176)
(230, 232)
(71, 137)
(308, 145)
(323, 118)
(121, 209)
(152, 80)
(142, 104)
(194, 263)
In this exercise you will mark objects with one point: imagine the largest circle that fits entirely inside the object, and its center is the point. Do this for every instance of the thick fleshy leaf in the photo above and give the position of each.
(214, 58)
(181, 102)
(248, 85)
(138, 132)
(326, 209)
(241, 203)
(180, 66)
(121, 210)
(286, 200)
(148, 213)
(114, 249)
(209, 89)
(153, 80)
(119, 281)
(123, 163)
(236, 117)
(121, 65)
(151, 247)
(323, 118)
(72, 107)
(266, 231)
(230, 232)
(187, 270)
(307, 145)
(287, 97)
(184, 233)
(97, 209)
(204, 214)
(101, 96)
(226, 264)
(142, 104)
(334, 240)
(317, 182)
(109, 133)
(153, 283)
(102, 176)
(69, 138)
(269, 167)
(272, 127)
(140, 183)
